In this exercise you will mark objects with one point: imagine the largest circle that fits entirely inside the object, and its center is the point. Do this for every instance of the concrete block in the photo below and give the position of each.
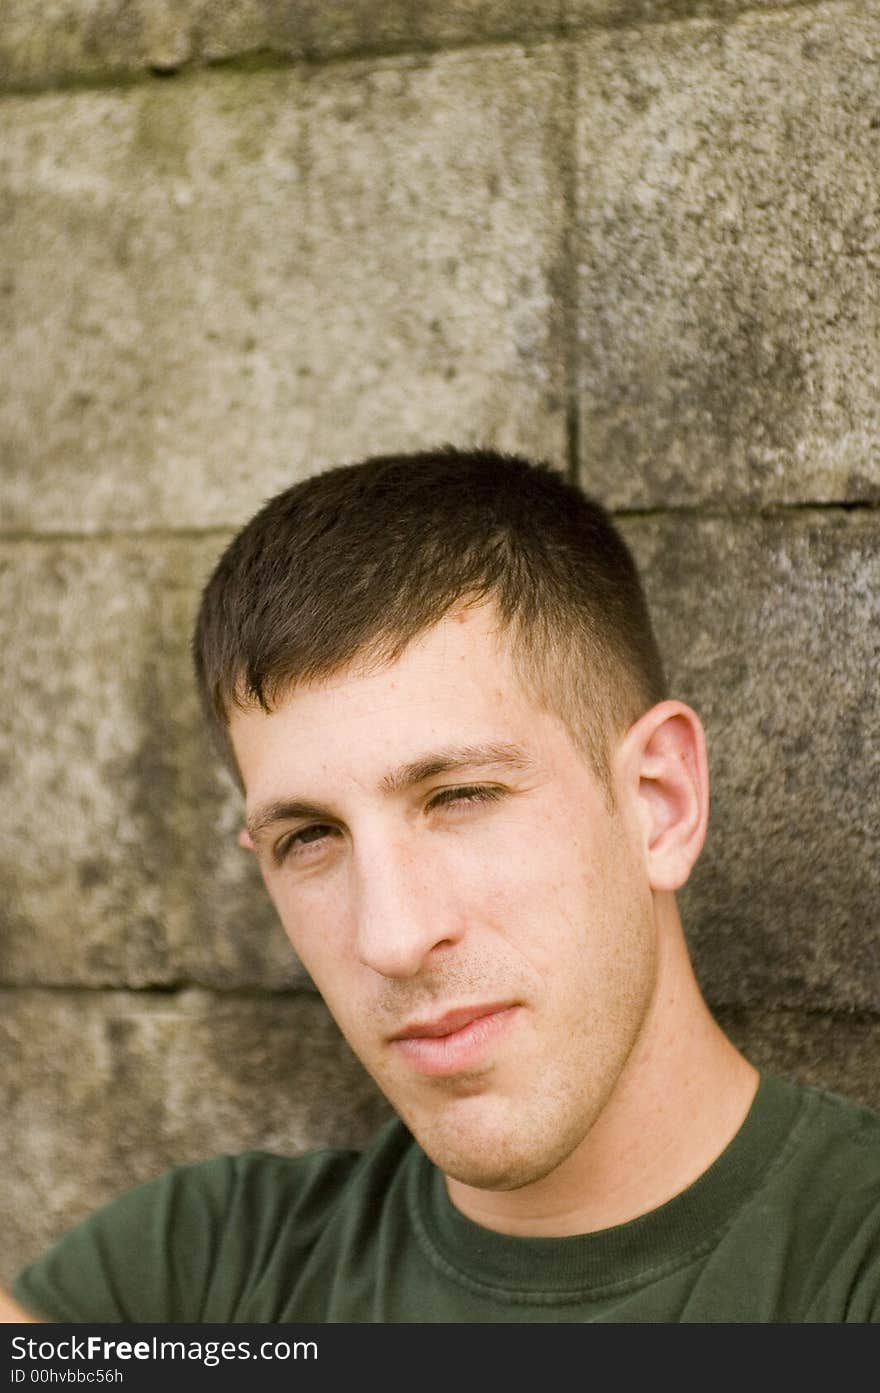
(87, 38)
(729, 260)
(840, 1053)
(104, 1090)
(121, 867)
(92, 39)
(216, 285)
(119, 863)
(320, 30)
(640, 13)
(462, 21)
(770, 630)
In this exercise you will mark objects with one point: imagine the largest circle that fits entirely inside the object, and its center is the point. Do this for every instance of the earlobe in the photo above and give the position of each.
(668, 769)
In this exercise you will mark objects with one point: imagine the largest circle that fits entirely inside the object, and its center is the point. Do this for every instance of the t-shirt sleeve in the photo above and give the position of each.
(145, 1257)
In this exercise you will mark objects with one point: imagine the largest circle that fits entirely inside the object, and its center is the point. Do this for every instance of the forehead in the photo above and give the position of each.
(455, 684)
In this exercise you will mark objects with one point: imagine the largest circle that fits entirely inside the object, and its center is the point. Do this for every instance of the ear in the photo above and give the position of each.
(244, 839)
(663, 772)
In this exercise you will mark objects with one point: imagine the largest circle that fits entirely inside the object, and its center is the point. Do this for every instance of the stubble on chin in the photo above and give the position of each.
(489, 1143)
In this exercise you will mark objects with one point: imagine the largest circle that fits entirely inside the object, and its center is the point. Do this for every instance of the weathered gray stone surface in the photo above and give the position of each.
(770, 631)
(212, 286)
(121, 866)
(640, 13)
(118, 854)
(92, 38)
(105, 1090)
(100, 1091)
(729, 258)
(841, 1053)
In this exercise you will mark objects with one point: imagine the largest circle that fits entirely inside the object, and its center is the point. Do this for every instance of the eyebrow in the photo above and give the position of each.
(499, 755)
(496, 755)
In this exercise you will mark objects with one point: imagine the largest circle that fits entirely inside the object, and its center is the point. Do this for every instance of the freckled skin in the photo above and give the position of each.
(538, 899)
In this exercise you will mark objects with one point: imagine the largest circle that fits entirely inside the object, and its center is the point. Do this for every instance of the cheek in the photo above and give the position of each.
(547, 855)
(334, 971)
(541, 883)
(313, 917)
(542, 891)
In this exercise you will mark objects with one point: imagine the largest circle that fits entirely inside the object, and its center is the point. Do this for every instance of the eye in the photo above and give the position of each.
(466, 794)
(304, 843)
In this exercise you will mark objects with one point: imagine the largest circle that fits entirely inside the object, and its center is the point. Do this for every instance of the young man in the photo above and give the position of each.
(472, 803)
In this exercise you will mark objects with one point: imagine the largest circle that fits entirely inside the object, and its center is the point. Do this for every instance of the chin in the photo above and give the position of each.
(489, 1173)
(488, 1157)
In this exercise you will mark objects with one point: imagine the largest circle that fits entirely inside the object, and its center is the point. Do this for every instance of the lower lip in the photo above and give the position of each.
(460, 1051)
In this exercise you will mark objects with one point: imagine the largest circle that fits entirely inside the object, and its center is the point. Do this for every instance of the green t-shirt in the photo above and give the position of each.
(785, 1226)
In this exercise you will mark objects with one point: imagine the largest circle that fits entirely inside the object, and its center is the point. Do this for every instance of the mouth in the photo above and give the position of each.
(455, 1042)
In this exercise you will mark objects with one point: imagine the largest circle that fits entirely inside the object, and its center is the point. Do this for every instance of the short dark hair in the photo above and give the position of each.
(358, 561)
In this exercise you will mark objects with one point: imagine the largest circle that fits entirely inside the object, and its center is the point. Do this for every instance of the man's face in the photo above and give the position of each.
(477, 920)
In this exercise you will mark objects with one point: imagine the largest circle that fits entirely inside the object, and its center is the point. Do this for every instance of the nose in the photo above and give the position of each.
(403, 910)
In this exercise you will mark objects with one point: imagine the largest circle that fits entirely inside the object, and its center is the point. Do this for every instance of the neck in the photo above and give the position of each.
(680, 1099)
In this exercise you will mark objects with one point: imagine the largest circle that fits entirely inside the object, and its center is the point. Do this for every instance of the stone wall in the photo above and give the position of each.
(241, 241)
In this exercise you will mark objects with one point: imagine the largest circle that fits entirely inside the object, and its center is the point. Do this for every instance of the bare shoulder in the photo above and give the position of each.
(10, 1311)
